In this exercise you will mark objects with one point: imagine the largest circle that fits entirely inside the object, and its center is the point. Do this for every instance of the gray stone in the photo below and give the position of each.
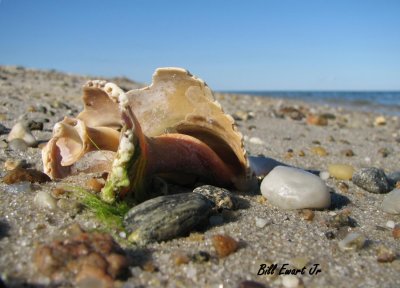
(18, 145)
(166, 217)
(221, 197)
(393, 177)
(372, 180)
(3, 129)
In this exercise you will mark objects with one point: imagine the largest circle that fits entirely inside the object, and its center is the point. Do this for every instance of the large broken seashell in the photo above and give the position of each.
(173, 128)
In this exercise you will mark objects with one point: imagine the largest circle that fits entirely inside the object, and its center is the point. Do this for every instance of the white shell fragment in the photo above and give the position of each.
(21, 131)
(45, 201)
(352, 241)
(292, 188)
(391, 202)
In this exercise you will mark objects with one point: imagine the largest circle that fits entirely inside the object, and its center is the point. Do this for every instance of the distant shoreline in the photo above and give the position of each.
(384, 102)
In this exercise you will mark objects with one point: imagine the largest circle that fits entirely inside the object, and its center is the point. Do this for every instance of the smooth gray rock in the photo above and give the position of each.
(166, 217)
(372, 180)
(18, 145)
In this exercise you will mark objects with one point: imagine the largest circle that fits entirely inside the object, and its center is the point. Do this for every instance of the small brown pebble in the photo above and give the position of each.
(289, 154)
(347, 152)
(12, 164)
(397, 185)
(251, 284)
(384, 152)
(195, 237)
(396, 232)
(301, 153)
(180, 258)
(385, 255)
(318, 150)
(149, 267)
(20, 174)
(95, 184)
(224, 245)
(57, 192)
(117, 263)
(307, 214)
(261, 199)
(343, 187)
(316, 120)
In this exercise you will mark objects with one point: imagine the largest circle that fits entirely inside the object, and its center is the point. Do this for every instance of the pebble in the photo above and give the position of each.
(21, 131)
(290, 281)
(391, 202)
(224, 245)
(34, 125)
(384, 152)
(318, 150)
(317, 120)
(21, 174)
(95, 184)
(394, 177)
(221, 197)
(21, 187)
(292, 188)
(396, 232)
(180, 258)
(94, 259)
(261, 222)
(324, 175)
(200, 257)
(379, 121)
(307, 214)
(372, 180)
(347, 152)
(18, 145)
(166, 217)
(341, 171)
(343, 187)
(385, 255)
(45, 201)
(352, 241)
(3, 129)
(12, 164)
(256, 140)
(390, 224)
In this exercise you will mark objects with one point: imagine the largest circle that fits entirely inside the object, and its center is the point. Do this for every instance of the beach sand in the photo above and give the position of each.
(269, 130)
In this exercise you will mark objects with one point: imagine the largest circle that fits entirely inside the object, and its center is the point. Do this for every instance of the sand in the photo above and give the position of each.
(38, 95)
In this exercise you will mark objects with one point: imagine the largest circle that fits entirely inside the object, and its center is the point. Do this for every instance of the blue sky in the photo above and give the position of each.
(232, 45)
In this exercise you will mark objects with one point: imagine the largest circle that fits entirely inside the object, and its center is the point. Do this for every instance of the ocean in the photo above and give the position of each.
(385, 102)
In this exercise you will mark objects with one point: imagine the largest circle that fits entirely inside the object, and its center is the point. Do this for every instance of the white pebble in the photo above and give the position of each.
(390, 224)
(261, 222)
(45, 200)
(352, 241)
(292, 188)
(122, 234)
(324, 175)
(21, 131)
(290, 281)
(256, 140)
(391, 202)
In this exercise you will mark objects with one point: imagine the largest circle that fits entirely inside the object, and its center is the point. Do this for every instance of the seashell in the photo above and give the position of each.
(173, 128)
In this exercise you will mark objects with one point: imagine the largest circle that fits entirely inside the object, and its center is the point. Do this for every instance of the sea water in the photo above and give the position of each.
(386, 102)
